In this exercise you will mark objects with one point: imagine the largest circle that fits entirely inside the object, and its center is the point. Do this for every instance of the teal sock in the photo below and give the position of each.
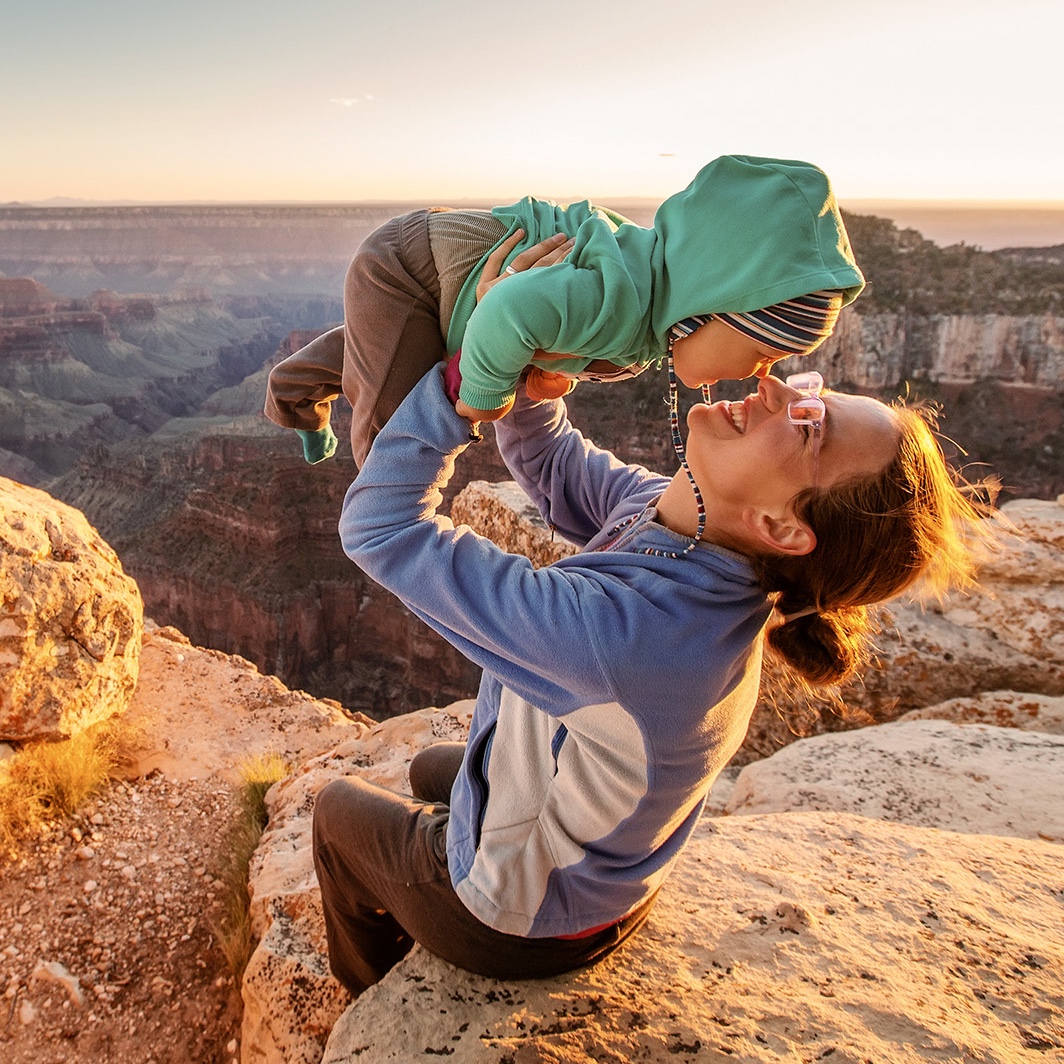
(317, 446)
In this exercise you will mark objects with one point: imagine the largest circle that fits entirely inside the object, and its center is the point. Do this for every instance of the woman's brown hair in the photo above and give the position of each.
(914, 521)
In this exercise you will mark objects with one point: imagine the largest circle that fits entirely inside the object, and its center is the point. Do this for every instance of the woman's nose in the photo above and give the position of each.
(774, 393)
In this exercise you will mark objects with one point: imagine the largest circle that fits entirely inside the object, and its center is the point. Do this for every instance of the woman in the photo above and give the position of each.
(618, 682)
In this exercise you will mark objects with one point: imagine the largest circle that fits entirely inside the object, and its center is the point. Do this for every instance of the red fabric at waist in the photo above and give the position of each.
(590, 931)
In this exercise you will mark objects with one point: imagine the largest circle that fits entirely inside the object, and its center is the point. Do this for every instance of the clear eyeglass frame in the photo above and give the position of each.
(808, 411)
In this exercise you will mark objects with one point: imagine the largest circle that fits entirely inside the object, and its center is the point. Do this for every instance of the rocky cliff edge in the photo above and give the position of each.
(891, 893)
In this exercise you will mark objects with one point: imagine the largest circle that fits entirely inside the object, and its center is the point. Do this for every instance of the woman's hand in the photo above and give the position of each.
(545, 253)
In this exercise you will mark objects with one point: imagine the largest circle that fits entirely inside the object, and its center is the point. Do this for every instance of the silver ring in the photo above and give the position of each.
(509, 269)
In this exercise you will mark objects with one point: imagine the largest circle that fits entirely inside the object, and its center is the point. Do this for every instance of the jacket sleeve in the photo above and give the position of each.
(574, 484)
(529, 627)
(302, 387)
(531, 311)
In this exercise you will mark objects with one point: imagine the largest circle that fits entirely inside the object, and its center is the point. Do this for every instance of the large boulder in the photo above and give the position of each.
(70, 620)
(806, 936)
(976, 778)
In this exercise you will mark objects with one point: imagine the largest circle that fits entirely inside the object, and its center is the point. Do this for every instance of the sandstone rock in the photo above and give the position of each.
(70, 620)
(811, 936)
(975, 778)
(54, 972)
(921, 657)
(1006, 709)
(290, 998)
(247, 714)
(504, 514)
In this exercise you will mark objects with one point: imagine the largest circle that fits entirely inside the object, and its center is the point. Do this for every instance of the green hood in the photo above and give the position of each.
(747, 233)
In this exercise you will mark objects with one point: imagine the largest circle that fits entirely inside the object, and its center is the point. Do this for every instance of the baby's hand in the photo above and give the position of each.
(542, 384)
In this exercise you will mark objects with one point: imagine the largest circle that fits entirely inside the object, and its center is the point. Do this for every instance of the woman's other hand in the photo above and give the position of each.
(543, 384)
(545, 253)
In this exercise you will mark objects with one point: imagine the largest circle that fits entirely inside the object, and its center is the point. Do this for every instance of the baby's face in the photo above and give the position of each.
(717, 352)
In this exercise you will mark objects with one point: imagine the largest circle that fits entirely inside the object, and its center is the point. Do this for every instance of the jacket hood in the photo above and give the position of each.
(749, 232)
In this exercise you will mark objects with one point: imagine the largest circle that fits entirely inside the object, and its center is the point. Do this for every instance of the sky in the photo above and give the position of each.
(450, 100)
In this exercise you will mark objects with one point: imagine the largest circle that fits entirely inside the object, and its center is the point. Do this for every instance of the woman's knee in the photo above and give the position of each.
(337, 803)
(433, 771)
(331, 795)
(326, 806)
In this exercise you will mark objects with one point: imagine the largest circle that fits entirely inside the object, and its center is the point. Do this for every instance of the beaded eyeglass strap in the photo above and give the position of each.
(678, 447)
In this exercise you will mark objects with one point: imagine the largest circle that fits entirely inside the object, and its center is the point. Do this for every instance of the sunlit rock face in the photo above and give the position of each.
(70, 620)
(878, 350)
(775, 930)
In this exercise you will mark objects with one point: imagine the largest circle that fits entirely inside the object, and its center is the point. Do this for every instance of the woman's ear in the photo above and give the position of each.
(779, 534)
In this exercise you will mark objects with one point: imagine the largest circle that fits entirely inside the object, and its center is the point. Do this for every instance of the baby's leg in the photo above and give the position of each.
(391, 324)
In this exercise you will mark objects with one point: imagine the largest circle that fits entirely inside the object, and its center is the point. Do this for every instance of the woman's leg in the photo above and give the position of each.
(381, 862)
(372, 848)
(434, 770)
(392, 331)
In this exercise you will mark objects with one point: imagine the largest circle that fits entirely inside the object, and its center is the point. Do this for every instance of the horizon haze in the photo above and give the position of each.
(984, 224)
(474, 100)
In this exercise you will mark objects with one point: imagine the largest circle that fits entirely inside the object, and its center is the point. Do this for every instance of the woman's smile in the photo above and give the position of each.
(738, 415)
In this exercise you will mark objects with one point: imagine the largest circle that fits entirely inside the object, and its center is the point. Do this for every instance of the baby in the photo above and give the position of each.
(749, 264)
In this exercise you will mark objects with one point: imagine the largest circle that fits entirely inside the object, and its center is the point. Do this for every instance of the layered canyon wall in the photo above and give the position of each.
(145, 411)
(880, 350)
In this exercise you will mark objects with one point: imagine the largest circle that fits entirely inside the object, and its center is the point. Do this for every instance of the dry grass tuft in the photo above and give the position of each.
(46, 781)
(258, 774)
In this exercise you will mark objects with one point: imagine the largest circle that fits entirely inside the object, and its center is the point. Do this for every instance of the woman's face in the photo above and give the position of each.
(747, 454)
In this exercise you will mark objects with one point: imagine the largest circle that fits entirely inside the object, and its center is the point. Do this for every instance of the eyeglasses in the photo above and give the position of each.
(808, 411)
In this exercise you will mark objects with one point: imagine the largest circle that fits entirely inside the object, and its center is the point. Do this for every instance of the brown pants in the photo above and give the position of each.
(381, 860)
(392, 334)
(390, 339)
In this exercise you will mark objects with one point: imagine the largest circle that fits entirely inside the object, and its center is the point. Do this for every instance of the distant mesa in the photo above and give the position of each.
(22, 296)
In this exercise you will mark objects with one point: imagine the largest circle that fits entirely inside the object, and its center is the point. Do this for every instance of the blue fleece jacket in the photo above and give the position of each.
(616, 684)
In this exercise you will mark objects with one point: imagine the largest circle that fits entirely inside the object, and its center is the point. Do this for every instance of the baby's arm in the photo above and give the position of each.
(542, 384)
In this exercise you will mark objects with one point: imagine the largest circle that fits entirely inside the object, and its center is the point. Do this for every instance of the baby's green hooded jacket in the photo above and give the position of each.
(746, 233)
